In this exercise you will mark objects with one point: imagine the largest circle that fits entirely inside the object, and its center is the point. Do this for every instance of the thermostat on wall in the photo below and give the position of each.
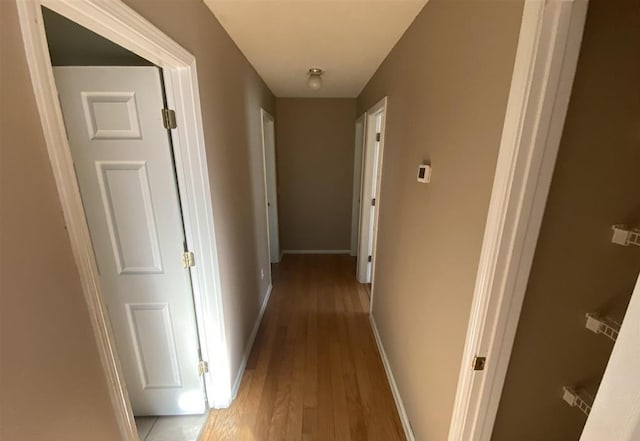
(424, 173)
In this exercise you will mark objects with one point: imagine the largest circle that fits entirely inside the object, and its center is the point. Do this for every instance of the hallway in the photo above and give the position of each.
(314, 372)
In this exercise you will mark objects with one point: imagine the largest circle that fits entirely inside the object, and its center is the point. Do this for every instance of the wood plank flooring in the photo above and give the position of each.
(314, 373)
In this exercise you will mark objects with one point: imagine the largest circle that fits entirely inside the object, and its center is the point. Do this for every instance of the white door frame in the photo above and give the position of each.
(380, 108)
(122, 25)
(545, 65)
(264, 117)
(357, 182)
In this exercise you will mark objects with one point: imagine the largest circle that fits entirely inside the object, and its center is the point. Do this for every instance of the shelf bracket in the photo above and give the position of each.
(602, 325)
(625, 236)
(575, 399)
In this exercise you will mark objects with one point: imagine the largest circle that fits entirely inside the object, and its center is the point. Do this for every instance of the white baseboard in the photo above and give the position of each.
(316, 251)
(404, 418)
(249, 346)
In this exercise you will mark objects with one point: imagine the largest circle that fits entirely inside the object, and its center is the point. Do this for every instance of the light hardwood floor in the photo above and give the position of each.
(314, 372)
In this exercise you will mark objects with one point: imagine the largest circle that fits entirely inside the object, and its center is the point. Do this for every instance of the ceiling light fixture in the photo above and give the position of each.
(315, 78)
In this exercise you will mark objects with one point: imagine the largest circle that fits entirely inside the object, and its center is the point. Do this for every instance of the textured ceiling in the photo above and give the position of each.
(348, 39)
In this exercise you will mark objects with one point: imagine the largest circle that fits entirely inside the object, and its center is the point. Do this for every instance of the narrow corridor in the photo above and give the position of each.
(314, 372)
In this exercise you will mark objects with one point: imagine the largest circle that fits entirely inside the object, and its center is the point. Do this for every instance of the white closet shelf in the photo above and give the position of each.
(624, 235)
(602, 325)
(577, 399)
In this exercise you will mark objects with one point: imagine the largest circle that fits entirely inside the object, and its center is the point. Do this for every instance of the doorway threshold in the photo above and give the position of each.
(170, 428)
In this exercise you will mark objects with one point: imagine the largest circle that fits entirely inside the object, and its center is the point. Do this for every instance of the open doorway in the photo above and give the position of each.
(357, 183)
(531, 348)
(113, 103)
(270, 184)
(370, 200)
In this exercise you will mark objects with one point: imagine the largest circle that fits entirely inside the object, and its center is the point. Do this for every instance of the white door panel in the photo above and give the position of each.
(125, 193)
(122, 156)
(615, 414)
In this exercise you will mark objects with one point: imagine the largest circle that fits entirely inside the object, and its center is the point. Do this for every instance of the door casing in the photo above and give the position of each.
(122, 25)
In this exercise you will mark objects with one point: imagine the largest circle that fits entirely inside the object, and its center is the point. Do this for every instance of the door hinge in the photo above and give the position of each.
(373, 202)
(369, 259)
(478, 363)
(188, 259)
(378, 136)
(169, 119)
(203, 367)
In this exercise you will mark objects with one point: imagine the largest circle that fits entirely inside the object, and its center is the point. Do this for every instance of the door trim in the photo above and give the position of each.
(545, 64)
(122, 25)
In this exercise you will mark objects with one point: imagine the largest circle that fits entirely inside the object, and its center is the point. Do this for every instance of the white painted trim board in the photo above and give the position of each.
(249, 346)
(402, 412)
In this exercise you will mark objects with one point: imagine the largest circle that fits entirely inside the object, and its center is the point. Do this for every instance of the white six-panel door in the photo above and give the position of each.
(123, 161)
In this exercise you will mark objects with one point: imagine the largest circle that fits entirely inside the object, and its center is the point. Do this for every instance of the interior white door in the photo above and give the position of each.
(123, 160)
(375, 177)
(369, 200)
(615, 414)
(270, 174)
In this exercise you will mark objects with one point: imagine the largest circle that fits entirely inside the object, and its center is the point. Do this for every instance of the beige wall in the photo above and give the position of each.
(52, 385)
(315, 143)
(576, 268)
(49, 359)
(447, 81)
